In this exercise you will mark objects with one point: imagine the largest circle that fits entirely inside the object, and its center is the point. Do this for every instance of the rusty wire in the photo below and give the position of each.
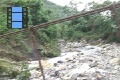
(64, 19)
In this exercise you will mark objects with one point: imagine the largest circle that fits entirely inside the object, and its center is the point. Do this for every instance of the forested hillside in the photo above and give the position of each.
(17, 48)
(57, 11)
(54, 9)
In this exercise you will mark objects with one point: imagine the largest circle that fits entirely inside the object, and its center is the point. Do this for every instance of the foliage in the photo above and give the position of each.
(24, 72)
(14, 70)
(94, 26)
(55, 11)
(8, 68)
(50, 50)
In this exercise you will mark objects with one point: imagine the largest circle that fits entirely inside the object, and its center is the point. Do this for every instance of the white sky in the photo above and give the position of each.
(81, 6)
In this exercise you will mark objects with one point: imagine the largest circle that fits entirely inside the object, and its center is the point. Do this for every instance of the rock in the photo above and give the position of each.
(74, 61)
(57, 73)
(80, 70)
(82, 53)
(54, 74)
(108, 48)
(70, 58)
(45, 64)
(91, 70)
(74, 76)
(79, 54)
(104, 46)
(70, 66)
(114, 61)
(101, 66)
(94, 64)
(81, 75)
(78, 50)
(99, 76)
(117, 67)
(60, 61)
(84, 79)
(52, 78)
(58, 79)
(35, 73)
(55, 64)
(90, 47)
(60, 67)
(61, 75)
(35, 64)
(66, 78)
(84, 41)
(47, 77)
(84, 67)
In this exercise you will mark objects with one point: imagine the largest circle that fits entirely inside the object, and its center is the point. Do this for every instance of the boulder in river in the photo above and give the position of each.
(114, 61)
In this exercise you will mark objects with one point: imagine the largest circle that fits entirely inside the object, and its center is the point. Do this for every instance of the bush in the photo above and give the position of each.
(8, 68)
(50, 50)
(24, 72)
(77, 35)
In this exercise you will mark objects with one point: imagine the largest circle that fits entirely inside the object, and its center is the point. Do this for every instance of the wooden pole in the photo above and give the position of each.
(117, 24)
(35, 50)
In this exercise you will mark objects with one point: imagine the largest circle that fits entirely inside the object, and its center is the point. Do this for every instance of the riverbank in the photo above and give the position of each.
(81, 61)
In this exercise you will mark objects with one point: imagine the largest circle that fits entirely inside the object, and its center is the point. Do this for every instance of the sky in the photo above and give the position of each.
(80, 6)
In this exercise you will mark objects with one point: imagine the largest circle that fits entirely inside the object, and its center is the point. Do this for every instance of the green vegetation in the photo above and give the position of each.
(97, 26)
(18, 47)
(23, 72)
(9, 68)
(12, 69)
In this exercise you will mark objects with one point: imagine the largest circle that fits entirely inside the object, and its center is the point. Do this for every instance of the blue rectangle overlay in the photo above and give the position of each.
(16, 24)
(16, 9)
(16, 16)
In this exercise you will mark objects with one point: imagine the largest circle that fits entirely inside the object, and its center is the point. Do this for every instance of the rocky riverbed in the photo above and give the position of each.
(81, 61)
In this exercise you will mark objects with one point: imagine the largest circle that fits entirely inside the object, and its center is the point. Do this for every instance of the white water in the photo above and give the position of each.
(87, 50)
